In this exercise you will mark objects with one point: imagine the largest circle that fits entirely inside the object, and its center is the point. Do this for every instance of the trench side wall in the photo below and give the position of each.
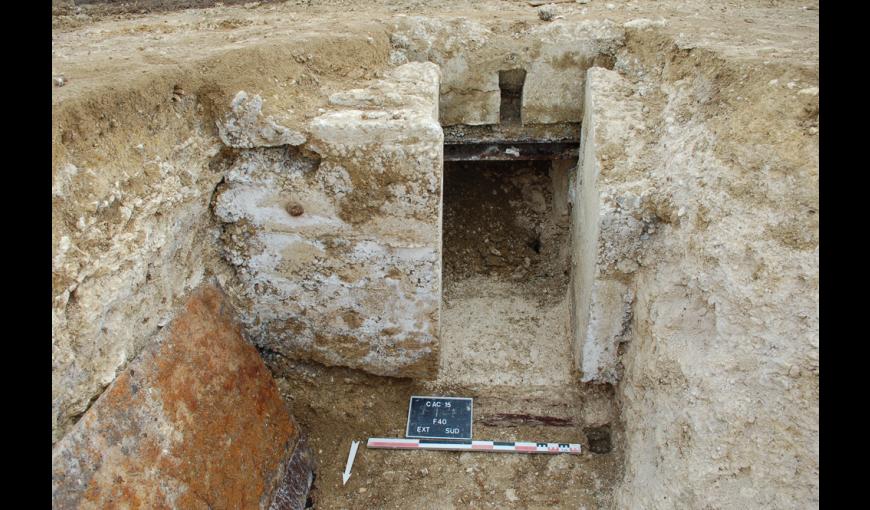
(709, 214)
(131, 236)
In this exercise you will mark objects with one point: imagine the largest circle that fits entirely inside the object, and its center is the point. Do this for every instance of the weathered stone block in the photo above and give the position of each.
(246, 127)
(468, 96)
(555, 57)
(339, 258)
(608, 227)
(555, 76)
(195, 421)
(608, 316)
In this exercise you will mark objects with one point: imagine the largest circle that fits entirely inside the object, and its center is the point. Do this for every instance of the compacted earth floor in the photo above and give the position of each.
(335, 406)
(504, 319)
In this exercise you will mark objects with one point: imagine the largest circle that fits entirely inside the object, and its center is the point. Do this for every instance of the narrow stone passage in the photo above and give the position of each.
(506, 255)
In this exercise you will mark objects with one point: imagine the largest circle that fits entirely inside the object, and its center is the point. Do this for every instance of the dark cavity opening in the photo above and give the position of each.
(511, 85)
(599, 439)
(309, 501)
(501, 221)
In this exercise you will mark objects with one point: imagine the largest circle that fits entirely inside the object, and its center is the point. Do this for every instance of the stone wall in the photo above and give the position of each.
(471, 54)
(337, 244)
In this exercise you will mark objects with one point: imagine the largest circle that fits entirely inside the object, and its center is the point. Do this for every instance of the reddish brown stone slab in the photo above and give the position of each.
(196, 421)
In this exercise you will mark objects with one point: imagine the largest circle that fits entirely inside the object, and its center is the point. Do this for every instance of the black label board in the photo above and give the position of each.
(439, 418)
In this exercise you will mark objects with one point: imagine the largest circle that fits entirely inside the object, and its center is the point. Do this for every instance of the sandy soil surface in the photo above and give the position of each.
(93, 44)
(506, 258)
(142, 64)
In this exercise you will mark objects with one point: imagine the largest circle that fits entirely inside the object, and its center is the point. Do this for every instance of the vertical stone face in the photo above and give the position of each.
(467, 96)
(608, 226)
(555, 57)
(195, 421)
(338, 250)
(555, 73)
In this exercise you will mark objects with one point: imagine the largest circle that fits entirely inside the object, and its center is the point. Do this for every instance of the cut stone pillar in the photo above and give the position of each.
(555, 77)
(195, 421)
(608, 225)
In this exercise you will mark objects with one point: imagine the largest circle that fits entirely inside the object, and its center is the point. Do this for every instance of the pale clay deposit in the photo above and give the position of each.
(303, 188)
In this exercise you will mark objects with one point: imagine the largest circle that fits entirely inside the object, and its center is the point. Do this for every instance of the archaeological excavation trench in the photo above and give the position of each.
(257, 267)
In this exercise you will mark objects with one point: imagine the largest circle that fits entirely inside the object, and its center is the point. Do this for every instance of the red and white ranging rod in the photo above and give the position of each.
(472, 446)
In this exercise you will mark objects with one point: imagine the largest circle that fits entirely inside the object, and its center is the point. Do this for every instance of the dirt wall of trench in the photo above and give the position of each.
(134, 168)
(719, 388)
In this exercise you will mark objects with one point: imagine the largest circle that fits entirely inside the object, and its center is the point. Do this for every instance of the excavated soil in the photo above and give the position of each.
(336, 406)
(499, 222)
(504, 319)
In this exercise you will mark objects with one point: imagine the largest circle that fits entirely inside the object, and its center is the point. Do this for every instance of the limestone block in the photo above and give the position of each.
(555, 78)
(196, 421)
(354, 278)
(245, 126)
(470, 55)
(610, 227)
(469, 91)
(609, 316)
(476, 106)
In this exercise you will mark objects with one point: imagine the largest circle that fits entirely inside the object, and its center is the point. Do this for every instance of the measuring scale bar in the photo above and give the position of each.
(472, 446)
